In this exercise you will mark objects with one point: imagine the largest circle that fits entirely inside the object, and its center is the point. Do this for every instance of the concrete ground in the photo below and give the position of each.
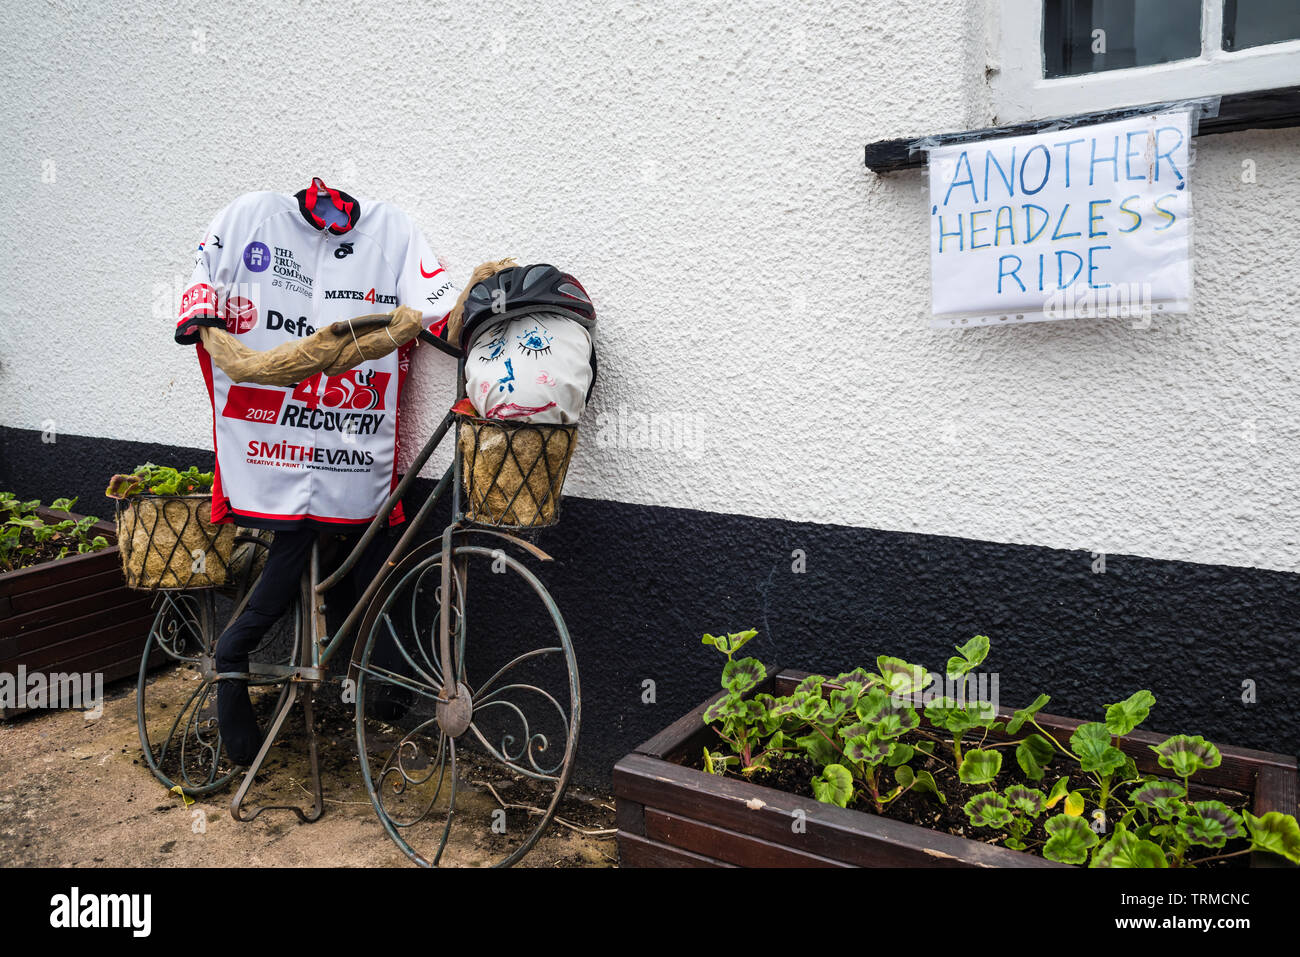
(77, 792)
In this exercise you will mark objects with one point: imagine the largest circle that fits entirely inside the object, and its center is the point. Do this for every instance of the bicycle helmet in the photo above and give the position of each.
(518, 290)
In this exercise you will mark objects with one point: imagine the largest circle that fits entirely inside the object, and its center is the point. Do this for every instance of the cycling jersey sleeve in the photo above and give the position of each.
(424, 283)
(201, 302)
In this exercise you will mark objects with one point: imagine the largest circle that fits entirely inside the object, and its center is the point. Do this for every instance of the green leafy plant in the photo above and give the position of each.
(159, 480)
(957, 717)
(1094, 746)
(979, 766)
(1164, 828)
(27, 539)
(1125, 849)
(855, 723)
(740, 722)
(1069, 839)
(849, 727)
(1276, 833)
(1014, 810)
(969, 656)
(1098, 756)
(870, 740)
(834, 785)
(862, 730)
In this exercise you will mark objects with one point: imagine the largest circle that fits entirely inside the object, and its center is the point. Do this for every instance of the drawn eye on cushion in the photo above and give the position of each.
(494, 349)
(535, 342)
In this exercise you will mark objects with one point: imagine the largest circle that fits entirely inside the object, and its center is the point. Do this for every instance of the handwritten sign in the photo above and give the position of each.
(1090, 221)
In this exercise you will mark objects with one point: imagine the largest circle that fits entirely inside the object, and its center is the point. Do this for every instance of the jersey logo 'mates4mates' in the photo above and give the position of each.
(370, 296)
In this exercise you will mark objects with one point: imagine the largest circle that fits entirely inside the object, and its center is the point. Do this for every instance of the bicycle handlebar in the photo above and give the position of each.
(440, 344)
(359, 324)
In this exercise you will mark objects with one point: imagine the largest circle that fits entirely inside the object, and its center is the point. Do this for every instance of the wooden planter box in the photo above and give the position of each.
(670, 815)
(73, 615)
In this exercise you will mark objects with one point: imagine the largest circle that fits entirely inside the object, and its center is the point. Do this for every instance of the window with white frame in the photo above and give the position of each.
(1065, 57)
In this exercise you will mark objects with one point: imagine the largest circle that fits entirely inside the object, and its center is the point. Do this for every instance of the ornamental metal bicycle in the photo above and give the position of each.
(465, 745)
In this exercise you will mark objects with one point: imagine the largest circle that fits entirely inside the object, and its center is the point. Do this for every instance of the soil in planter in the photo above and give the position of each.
(23, 550)
(42, 552)
(794, 776)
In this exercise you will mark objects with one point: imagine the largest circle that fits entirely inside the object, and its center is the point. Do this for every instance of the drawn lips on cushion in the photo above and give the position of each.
(513, 410)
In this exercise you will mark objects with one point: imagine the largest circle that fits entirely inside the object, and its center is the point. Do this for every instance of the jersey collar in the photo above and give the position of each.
(342, 202)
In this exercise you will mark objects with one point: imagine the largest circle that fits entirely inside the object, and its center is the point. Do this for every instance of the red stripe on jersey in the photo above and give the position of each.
(403, 365)
(220, 504)
(315, 518)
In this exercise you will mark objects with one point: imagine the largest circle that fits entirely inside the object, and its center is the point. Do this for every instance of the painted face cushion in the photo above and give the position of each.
(532, 368)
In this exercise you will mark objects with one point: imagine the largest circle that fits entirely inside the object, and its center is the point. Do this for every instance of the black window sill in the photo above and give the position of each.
(1262, 109)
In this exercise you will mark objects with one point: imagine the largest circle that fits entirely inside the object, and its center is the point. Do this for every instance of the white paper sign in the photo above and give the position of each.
(1090, 221)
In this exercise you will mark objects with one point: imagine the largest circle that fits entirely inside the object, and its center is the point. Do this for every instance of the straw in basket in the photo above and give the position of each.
(169, 541)
(514, 471)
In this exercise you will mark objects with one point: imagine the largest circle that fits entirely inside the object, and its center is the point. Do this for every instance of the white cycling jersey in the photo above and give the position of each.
(270, 270)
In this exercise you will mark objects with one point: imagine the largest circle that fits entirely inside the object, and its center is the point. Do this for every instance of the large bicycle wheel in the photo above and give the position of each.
(176, 706)
(475, 783)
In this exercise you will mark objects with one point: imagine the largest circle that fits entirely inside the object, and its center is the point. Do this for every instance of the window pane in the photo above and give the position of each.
(1253, 23)
(1132, 33)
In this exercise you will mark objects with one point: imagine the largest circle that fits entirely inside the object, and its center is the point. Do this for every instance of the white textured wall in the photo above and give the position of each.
(699, 167)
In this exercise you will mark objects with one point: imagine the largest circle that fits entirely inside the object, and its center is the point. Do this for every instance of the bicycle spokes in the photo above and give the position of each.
(175, 686)
(466, 774)
(176, 707)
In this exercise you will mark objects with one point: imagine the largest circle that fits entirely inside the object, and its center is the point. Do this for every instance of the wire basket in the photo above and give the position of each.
(169, 542)
(514, 471)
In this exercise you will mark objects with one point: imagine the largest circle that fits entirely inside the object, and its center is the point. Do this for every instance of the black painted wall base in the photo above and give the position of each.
(638, 585)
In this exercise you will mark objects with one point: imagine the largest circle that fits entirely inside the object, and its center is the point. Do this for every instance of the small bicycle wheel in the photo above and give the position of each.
(176, 705)
(475, 782)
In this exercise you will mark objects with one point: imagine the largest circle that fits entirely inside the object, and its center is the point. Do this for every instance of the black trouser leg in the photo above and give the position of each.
(343, 596)
(274, 591)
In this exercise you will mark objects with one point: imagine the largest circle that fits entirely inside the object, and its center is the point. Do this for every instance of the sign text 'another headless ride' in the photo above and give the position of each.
(1090, 221)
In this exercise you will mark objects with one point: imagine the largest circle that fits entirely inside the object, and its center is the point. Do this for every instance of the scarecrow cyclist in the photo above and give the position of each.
(303, 452)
